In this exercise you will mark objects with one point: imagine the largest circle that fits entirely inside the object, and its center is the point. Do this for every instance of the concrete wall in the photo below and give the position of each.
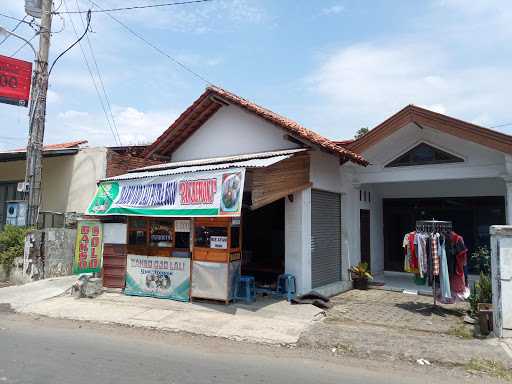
(58, 251)
(88, 166)
(501, 265)
(12, 171)
(232, 131)
(298, 239)
(69, 182)
(48, 253)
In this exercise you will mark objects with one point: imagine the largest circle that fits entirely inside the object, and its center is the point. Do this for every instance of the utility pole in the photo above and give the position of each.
(37, 113)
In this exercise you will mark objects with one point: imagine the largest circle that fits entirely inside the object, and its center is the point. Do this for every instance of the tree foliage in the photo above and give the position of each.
(12, 244)
(361, 132)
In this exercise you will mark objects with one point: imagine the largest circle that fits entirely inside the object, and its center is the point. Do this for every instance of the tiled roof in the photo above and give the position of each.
(343, 143)
(50, 147)
(68, 145)
(204, 107)
(450, 125)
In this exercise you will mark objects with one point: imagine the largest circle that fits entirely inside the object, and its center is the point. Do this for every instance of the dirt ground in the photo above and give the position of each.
(392, 326)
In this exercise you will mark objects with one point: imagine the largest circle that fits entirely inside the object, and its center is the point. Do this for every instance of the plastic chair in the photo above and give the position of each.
(246, 289)
(286, 286)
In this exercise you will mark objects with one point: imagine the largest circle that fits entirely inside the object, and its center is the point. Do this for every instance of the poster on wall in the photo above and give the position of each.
(88, 247)
(162, 277)
(211, 193)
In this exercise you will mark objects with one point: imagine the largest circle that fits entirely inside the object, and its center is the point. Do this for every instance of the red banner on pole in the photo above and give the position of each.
(15, 79)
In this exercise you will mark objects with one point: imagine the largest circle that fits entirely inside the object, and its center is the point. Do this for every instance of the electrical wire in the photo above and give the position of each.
(140, 7)
(72, 45)
(501, 125)
(14, 18)
(24, 44)
(93, 80)
(140, 37)
(13, 30)
(102, 84)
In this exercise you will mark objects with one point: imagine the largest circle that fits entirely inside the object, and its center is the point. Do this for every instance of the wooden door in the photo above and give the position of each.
(365, 236)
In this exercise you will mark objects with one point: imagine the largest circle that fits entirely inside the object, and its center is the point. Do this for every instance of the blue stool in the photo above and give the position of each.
(246, 289)
(286, 286)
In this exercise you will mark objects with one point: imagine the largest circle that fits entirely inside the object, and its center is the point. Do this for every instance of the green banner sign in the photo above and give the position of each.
(209, 193)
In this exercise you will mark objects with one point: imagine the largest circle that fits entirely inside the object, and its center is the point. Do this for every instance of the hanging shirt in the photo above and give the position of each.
(444, 277)
(414, 257)
(422, 254)
(407, 254)
(435, 254)
(457, 278)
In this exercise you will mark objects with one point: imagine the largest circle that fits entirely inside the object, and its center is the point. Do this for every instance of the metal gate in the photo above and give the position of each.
(325, 238)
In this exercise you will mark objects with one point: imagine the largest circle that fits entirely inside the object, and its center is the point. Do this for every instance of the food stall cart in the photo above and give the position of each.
(216, 258)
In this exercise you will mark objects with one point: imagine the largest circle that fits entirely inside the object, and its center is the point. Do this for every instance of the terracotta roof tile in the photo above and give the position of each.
(49, 147)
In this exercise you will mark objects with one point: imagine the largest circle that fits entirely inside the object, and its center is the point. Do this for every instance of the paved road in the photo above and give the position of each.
(45, 351)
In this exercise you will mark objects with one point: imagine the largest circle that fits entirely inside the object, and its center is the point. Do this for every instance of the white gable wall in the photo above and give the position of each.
(479, 161)
(232, 131)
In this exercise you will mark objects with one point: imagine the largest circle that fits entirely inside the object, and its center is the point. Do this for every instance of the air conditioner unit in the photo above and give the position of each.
(23, 186)
(16, 213)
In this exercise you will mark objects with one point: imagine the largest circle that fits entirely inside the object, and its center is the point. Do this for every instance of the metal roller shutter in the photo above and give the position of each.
(325, 238)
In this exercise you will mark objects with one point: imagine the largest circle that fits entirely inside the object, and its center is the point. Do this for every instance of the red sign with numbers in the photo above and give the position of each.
(15, 79)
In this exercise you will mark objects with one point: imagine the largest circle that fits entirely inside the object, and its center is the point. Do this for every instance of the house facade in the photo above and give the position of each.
(424, 166)
(70, 173)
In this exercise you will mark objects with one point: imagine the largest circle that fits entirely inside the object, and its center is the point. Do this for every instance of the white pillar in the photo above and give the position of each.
(298, 239)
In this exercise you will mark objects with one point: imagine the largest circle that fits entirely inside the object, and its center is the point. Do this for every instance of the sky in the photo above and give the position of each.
(333, 66)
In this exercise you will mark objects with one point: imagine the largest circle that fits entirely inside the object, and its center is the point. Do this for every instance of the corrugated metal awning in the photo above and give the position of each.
(259, 160)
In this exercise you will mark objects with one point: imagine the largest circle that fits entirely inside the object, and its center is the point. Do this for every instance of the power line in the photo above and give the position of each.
(139, 7)
(140, 37)
(86, 62)
(100, 77)
(13, 30)
(24, 44)
(501, 125)
(72, 45)
(15, 18)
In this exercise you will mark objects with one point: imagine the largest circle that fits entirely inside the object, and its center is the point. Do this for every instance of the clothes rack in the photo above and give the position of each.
(434, 226)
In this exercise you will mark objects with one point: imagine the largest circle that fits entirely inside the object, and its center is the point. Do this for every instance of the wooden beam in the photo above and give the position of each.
(279, 195)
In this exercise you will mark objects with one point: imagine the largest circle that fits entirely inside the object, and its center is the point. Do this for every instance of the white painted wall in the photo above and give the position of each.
(325, 171)
(232, 131)
(298, 239)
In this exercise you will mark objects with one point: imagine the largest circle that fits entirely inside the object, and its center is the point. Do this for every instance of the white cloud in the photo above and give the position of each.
(362, 84)
(196, 18)
(53, 97)
(332, 10)
(134, 126)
